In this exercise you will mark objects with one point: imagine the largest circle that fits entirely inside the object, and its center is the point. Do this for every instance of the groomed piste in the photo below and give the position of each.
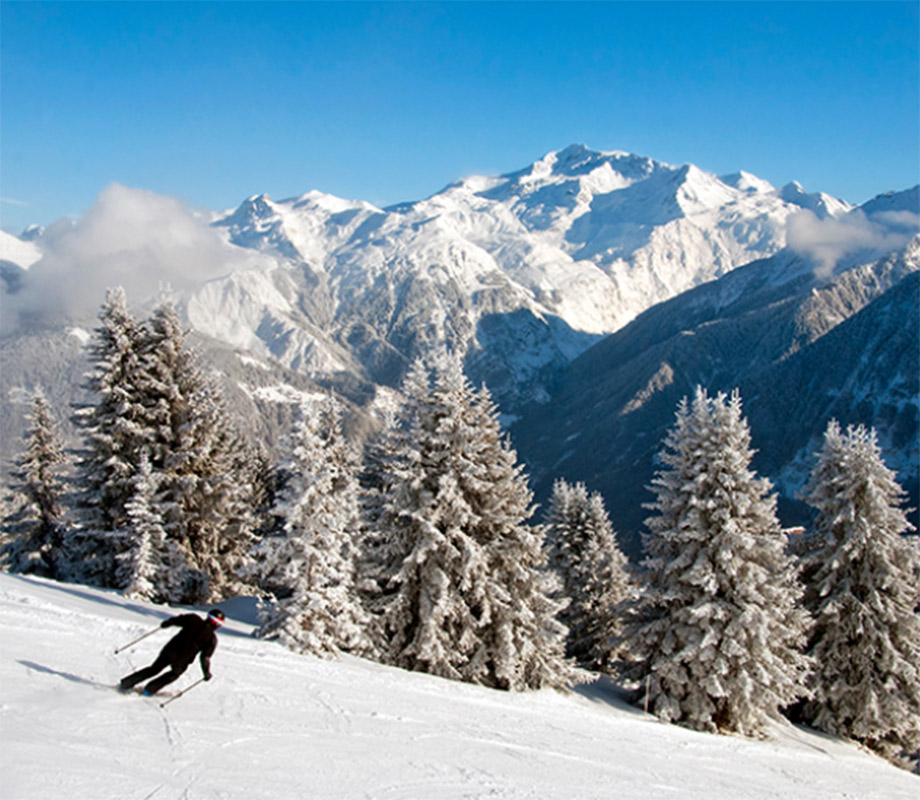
(273, 724)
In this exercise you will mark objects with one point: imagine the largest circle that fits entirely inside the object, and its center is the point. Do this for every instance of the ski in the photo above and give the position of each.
(139, 692)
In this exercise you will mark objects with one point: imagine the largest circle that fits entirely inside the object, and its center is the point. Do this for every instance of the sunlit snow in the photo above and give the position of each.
(21, 253)
(272, 724)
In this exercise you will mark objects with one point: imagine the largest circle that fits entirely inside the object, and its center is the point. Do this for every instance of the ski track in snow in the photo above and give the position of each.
(276, 725)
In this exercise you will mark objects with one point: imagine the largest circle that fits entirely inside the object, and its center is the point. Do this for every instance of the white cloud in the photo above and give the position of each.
(828, 240)
(129, 237)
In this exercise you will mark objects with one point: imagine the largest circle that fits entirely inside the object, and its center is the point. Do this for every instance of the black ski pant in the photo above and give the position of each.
(162, 662)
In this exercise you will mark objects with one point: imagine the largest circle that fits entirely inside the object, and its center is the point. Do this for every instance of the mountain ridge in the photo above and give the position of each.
(569, 236)
(523, 274)
(793, 339)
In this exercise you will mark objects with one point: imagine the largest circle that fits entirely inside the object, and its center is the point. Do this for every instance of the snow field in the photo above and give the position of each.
(276, 725)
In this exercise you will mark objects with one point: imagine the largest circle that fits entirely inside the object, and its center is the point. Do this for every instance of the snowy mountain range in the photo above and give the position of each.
(526, 274)
(520, 272)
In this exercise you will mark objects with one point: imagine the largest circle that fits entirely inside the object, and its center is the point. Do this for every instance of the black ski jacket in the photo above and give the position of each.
(197, 636)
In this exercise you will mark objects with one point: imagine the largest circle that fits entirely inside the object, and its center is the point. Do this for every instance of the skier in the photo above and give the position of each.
(196, 637)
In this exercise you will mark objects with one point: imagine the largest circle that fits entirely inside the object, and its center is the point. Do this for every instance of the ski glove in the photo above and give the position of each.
(207, 676)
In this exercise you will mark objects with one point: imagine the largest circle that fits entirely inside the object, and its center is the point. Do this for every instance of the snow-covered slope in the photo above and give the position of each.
(272, 724)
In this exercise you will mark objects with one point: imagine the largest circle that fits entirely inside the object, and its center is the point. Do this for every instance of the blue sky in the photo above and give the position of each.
(213, 102)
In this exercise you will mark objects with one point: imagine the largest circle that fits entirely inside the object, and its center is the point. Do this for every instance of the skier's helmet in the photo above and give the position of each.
(216, 617)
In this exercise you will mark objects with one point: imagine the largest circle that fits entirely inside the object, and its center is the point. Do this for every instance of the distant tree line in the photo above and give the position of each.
(421, 551)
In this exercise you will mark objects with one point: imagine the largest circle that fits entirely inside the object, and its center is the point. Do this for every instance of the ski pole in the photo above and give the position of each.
(129, 644)
(179, 694)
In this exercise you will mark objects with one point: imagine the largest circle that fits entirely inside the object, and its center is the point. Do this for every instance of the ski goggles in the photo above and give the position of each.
(215, 620)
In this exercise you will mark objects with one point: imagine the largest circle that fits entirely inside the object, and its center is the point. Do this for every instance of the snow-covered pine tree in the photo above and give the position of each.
(524, 639)
(116, 428)
(863, 592)
(149, 566)
(379, 454)
(434, 572)
(584, 552)
(152, 397)
(201, 461)
(266, 481)
(385, 465)
(717, 635)
(387, 458)
(345, 466)
(310, 566)
(38, 526)
(116, 431)
(464, 591)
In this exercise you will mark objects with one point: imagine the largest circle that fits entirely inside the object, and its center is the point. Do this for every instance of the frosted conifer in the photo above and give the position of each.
(149, 566)
(37, 548)
(584, 552)
(116, 428)
(201, 461)
(379, 455)
(524, 639)
(116, 431)
(465, 595)
(863, 592)
(266, 481)
(388, 458)
(151, 397)
(433, 571)
(310, 567)
(717, 634)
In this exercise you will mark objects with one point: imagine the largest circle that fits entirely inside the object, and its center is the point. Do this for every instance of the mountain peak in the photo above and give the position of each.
(604, 171)
(330, 203)
(257, 205)
(907, 200)
(823, 205)
(575, 154)
(32, 233)
(746, 182)
(14, 249)
(576, 160)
